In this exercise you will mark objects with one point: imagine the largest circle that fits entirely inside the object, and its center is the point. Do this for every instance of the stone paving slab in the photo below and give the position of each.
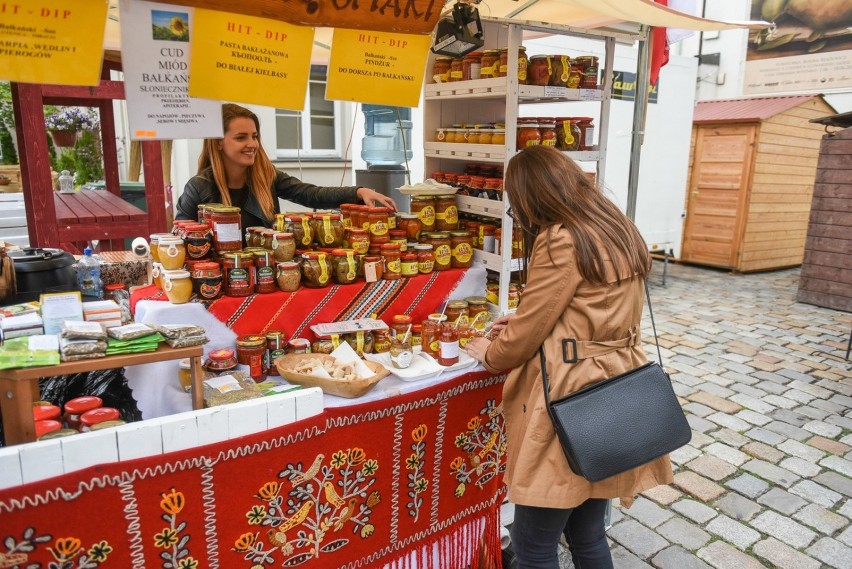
(766, 480)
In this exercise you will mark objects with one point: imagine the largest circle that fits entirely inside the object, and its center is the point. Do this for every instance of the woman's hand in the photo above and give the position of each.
(374, 198)
(501, 323)
(477, 347)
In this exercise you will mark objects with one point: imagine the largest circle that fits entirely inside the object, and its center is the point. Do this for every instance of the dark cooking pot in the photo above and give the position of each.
(41, 270)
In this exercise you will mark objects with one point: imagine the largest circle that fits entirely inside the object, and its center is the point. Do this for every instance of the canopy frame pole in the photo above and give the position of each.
(606, 100)
(640, 107)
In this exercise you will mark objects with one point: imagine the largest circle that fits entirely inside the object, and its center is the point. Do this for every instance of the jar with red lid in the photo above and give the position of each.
(489, 64)
(528, 133)
(252, 236)
(298, 346)
(408, 263)
(476, 183)
(91, 418)
(393, 263)
(44, 427)
(74, 408)
(227, 233)
(359, 240)
(471, 65)
(441, 69)
(441, 245)
(300, 227)
(46, 412)
(400, 324)
(288, 276)
(238, 274)
(179, 226)
(199, 241)
(220, 360)
(346, 215)
(316, 272)
(486, 237)
(547, 129)
(374, 268)
(344, 264)
(328, 230)
(586, 128)
(391, 218)
(410, 224)
(446, 213)
(424, 208)
(398, 237)
(448, 350)
(461, 244)
(283, 246)
(264, 272)
(207, 280)
(567, 134)
(539, 70)
(416, 335)
(456, 70)
(250, 352)
(378, 217)
(425, 258)
(381, 341)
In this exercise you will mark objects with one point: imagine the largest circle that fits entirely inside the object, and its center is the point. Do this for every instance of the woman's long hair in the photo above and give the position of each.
(547, 188)
(260, 175)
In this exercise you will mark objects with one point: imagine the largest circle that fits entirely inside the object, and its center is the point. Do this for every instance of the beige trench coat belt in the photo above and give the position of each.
(575, 350)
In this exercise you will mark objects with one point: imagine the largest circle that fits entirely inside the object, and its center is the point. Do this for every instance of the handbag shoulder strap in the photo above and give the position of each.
(546, 381)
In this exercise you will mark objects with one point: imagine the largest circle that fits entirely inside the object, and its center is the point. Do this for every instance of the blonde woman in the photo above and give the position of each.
(235, 170)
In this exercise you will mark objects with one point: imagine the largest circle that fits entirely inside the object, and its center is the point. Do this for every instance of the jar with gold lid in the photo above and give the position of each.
(446, 213)
(227, 234)
(424, 207)
(238, 273)
(490, 64)
(456, 311)
(441, 69)
(461, 244)
(410, 223)
(440, 242)
(264, 267)
(477, 312)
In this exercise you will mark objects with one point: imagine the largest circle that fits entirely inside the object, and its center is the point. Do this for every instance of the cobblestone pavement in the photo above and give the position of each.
(767, 479)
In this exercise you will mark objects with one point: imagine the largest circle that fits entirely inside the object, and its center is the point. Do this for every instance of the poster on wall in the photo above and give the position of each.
(377, 67)
(809, 49)
(155, 46)
(52, 41)
(250, 60)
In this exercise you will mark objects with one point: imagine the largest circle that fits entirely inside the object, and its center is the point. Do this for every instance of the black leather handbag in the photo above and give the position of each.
(619, 423)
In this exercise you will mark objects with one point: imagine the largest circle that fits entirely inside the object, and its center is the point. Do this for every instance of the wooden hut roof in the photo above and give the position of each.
(746, 109)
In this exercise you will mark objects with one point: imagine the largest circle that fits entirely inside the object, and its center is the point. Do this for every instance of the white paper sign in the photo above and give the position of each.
(155, 59)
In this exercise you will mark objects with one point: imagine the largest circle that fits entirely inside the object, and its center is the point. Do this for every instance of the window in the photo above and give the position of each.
(314, 132)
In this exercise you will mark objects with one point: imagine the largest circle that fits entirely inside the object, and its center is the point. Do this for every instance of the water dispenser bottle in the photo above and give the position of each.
(387, 143)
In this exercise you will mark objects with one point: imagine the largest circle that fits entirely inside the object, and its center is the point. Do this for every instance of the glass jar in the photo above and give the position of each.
(300, 227)
(207, 280)
(492, 293)
(360, 341)
(393, 263)
(440, 135)
(561, 70)
(184, 374)
(575, 75)
(441, 69)
(473, 229)
(446, 213)
(547, 129)
(378, 222)
(425, 258)
(178, 286)
(199, 241)
(400, 324)
(344, 263)
(589, 64)
(567, 134)
(499, 136)
(381, 341)
(345, 215)
(416, 338)
(408, 262)
(264, 272)
(238, 274)
(221, 360)
(328, 230)
(528, 133)
(473, 136)
(401, 353)
(276, 343)
(252, 235)
(586, 128)
(398, 237)
(430, 335)
(250, 352)
(486, 236)
(424, 208)
(171, 252)
(325, 344)
(153, 241)
(485, 136)
(448, 348)
(540, 70)
(283, 246)
(471, 65)
(265, 239)
(288, 276)
(374, 268)
(514, 296)
(298, 346)
(456, 311)
(227, 233)
(359, 240)
(441, 245)
(117, 292)
(466, 332)
(489, 64)
(316, 272)
(456, 72)
(204, 210)
(461, 244)
(523, 63)
(477, 312)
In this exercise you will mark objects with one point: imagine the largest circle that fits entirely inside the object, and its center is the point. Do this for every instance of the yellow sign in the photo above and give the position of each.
(249, 60)
(377, 67)
(52, 41)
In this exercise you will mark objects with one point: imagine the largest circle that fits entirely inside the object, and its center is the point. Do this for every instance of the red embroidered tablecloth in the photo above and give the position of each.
(294, 312)
(415, 479)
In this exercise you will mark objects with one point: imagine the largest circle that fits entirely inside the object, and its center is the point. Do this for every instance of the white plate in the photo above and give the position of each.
(422, 366)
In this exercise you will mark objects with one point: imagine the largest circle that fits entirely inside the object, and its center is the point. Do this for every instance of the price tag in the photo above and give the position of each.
(551, 91)
(590, 95)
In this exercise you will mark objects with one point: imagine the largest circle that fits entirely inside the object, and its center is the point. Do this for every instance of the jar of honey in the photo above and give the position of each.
(178, 286)
(499, 136)
(446, 213)
(171, 252)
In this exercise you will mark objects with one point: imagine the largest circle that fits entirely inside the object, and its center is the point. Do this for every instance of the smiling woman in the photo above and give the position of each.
(234, 170)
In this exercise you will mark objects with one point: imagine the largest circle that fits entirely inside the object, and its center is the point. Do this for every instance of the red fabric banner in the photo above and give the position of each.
(414, 478)
(294, 312)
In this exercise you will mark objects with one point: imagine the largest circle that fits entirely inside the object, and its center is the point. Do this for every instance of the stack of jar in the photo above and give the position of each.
(563, 133)
(475, 134)
(485, 64)
(478, 180)
(492, 293)
(81, 414)
(563, 71)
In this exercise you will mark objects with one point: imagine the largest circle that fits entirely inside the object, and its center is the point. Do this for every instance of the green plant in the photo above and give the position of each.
(7, 147)
(84, 160)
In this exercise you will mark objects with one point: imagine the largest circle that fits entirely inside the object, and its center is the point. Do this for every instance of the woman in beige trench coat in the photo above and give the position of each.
(585, 280)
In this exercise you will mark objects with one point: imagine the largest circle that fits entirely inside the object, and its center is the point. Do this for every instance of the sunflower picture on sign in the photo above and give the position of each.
(170, 26)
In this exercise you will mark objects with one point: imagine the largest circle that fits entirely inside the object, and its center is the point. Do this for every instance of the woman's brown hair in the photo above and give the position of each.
(547, 188)
(260, 175)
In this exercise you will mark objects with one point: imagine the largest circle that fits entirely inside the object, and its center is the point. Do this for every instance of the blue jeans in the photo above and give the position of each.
(535, 536)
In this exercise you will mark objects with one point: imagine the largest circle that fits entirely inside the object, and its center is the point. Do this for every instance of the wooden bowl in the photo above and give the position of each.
(350, 389)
